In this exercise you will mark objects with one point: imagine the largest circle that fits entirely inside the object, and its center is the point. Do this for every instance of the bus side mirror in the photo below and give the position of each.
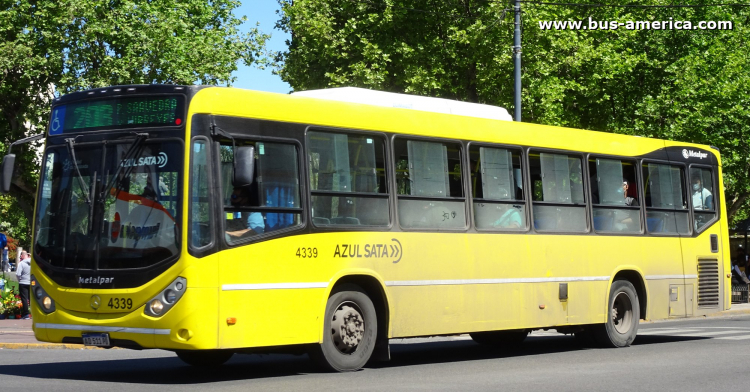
(244, 166)
(8, 164)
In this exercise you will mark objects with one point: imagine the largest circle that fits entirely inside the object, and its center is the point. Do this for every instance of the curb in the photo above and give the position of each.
(727, 313)
(723, 314)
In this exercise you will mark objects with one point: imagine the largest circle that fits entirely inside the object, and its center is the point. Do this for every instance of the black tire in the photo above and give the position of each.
(349, 310)
(511, 338)
(623, 315)
(205, 358)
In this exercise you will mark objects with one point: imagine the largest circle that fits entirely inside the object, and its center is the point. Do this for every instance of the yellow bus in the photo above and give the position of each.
(210, 221)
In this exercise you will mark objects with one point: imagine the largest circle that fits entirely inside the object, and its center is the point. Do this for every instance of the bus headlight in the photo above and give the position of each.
(45, 302)
(166, 299)
(156, 307)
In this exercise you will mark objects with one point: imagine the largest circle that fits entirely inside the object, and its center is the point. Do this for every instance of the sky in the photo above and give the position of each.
(263, 12)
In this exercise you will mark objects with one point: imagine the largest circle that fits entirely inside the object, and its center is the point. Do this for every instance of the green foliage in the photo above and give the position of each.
(49, 48)
(687, 85)
(13, 223)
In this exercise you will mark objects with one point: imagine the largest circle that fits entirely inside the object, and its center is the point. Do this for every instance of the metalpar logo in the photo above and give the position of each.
(687, 154)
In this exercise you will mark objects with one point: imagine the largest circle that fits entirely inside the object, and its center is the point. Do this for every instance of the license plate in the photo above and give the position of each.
(96, 339)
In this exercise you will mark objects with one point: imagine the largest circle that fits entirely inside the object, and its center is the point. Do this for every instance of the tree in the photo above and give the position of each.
(49, 48)
(687, 85)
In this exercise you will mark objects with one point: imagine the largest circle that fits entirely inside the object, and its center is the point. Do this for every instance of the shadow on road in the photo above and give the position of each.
(165, 370)
(172, 371)
(467, 350)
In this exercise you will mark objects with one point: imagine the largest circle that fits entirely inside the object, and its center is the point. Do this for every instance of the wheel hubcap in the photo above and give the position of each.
(622, 313)
(347, 327)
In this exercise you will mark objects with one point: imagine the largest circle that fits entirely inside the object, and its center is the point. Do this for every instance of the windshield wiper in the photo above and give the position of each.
(132, 150)
(71, 150)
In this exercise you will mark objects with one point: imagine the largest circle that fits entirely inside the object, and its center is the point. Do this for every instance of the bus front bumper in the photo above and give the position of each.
(187, 326)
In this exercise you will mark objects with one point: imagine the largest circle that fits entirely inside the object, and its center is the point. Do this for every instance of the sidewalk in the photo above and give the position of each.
(17, 334)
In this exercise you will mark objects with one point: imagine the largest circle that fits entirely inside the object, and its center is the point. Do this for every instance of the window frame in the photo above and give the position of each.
(524, 177)
(715, 194)
(396, 197)
(205, 249)
(586, 191)
(301, 179)
(388, 195)
(638, 164)
(686, 187)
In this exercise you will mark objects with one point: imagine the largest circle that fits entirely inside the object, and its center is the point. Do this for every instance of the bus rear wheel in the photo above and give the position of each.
(510, 338)
(205, 358)
(624, 313)
(349, 333)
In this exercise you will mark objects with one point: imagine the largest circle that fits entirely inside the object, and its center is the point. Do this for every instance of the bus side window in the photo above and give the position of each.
(614, 195)
(200, 220)
(702, 196)
(559, 203)
(497, 188)
(429, 184)
(666, 201)
(276, 187)
(347, 179)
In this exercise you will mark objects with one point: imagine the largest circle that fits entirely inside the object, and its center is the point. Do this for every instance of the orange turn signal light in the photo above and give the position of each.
(231, 321)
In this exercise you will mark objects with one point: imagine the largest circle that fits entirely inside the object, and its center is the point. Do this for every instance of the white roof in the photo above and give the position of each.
(406, 101)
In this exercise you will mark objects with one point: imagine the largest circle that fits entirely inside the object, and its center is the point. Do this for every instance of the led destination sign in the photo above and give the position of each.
(118, 113)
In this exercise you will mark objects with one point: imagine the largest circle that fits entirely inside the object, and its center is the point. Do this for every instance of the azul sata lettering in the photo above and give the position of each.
(367, 251)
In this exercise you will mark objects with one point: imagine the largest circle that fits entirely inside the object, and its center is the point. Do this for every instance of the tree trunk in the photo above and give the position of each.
(737, 203)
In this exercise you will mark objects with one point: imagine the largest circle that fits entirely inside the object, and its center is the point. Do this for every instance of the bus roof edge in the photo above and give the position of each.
(407, 101)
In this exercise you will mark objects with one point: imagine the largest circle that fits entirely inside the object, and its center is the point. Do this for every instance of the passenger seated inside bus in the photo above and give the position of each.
(243, 224)
(624, 218)
(702, 197)
(630, 193)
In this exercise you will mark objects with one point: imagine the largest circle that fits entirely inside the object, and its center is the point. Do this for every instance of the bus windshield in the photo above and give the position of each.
(88, 219)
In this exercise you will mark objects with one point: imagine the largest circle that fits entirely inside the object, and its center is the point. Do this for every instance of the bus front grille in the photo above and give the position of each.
(708, 283)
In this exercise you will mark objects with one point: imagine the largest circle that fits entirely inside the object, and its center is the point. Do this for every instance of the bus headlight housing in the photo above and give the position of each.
(45, 302)
(166, 299)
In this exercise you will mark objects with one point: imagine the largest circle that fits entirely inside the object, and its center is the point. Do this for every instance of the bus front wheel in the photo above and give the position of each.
(350, 330)
(621, 326)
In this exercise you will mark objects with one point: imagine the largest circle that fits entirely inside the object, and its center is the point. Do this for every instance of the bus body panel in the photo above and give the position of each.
(436, 292)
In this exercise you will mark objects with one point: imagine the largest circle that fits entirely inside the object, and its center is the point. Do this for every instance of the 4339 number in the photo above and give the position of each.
(120, 303)
(305, 253)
